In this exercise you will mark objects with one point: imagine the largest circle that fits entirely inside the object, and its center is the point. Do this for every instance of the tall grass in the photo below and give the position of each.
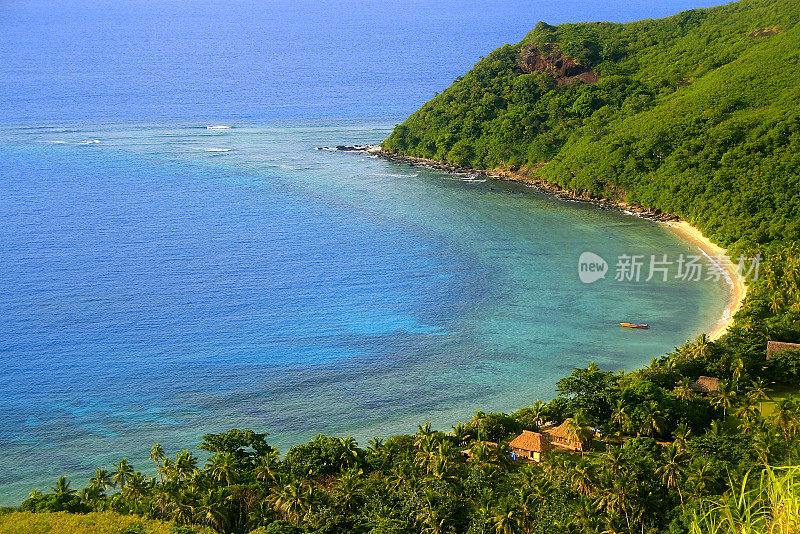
(91, 523)
(771, 506)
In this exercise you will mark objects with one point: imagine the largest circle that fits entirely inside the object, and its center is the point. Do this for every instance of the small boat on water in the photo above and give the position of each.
(634, 325)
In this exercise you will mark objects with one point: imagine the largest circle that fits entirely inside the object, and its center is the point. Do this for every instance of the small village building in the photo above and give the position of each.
(530, 445)
(560, 437)
(706, 384)
(776, 347)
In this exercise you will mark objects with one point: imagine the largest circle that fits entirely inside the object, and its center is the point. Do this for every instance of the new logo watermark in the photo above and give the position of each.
(662, 268)
(591, 267)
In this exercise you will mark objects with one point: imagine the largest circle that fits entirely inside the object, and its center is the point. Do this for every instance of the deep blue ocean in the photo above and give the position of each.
(160, 279)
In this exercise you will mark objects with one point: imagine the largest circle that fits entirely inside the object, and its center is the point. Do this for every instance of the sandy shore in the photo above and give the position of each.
(718, 255)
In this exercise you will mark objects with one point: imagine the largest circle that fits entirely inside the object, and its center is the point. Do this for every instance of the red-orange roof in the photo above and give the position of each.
(559, 432)
(530, 441)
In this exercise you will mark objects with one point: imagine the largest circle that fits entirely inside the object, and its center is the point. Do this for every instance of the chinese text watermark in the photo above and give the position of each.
(663, 268)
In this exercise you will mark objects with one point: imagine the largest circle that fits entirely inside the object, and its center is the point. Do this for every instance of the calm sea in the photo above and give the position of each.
(160, 279)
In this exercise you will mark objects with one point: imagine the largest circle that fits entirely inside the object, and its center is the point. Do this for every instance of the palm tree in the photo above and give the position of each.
(482, 501)
(506, 518)
(652, 420)
(671, 471)
(100, 479)
(715, 428)
(747, 409)
(157, 454)
(680, 435)
(265, 470)
(785, 418)
(441, 469)
(684, 390)
(702, 347)
(614, 459)
(585, 518)
(224, 466)
(737, 369)
(430, 516)
(376, 446)
(347, 491)
(182, 512)
(751, 425)
(613, 495)
(135, 488)
(351, 455)
(481, 453)
(527, 476)
(578, 430)
(426, 452)
(62, 487)
(402, 475)
(527, 500)
(776, 302)
(759, 391)
(424, 431)
(185, 464)
(583, 478)
(538, 409)
(700, 476)
(461, 434)
(293, 499)
(122, 474)
(90, 494)
(620, 416)
(723, 398)
(211, 510)
(766, 443)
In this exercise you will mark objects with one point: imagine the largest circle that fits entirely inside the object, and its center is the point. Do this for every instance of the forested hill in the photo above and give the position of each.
(697, 114)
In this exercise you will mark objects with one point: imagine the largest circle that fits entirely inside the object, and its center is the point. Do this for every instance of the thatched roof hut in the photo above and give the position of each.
(560, 437)
(530, 445)
(706, 384)
(775, 347)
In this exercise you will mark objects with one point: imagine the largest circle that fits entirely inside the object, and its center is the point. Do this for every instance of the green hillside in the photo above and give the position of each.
(697, 114)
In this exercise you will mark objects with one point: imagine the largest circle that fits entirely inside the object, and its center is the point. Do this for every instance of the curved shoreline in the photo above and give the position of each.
(719, 256)
(713, 252)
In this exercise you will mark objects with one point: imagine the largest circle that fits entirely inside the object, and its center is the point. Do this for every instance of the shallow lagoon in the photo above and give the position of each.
(160, 282)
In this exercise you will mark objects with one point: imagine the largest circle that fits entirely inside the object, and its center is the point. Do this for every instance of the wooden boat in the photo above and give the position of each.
(634, 325)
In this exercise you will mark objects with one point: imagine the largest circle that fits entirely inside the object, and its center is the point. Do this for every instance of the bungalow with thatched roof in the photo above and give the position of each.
(706, 384)
(560, 437)
(776, 347)
(530, 445)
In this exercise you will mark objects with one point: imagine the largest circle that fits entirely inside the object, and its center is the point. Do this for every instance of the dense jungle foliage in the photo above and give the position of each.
(696, 114)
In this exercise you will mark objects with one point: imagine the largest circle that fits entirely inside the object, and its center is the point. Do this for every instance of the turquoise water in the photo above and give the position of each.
(160, 280)
(163, 282)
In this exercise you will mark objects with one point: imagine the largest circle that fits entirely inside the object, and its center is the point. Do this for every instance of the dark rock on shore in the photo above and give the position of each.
(515, 174)
(348, 148)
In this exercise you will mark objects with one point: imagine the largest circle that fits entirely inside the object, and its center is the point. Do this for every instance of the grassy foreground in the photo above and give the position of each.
(91, 523)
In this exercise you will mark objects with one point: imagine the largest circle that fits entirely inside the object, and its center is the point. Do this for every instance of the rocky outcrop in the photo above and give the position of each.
(565, 70)
(765, 32)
